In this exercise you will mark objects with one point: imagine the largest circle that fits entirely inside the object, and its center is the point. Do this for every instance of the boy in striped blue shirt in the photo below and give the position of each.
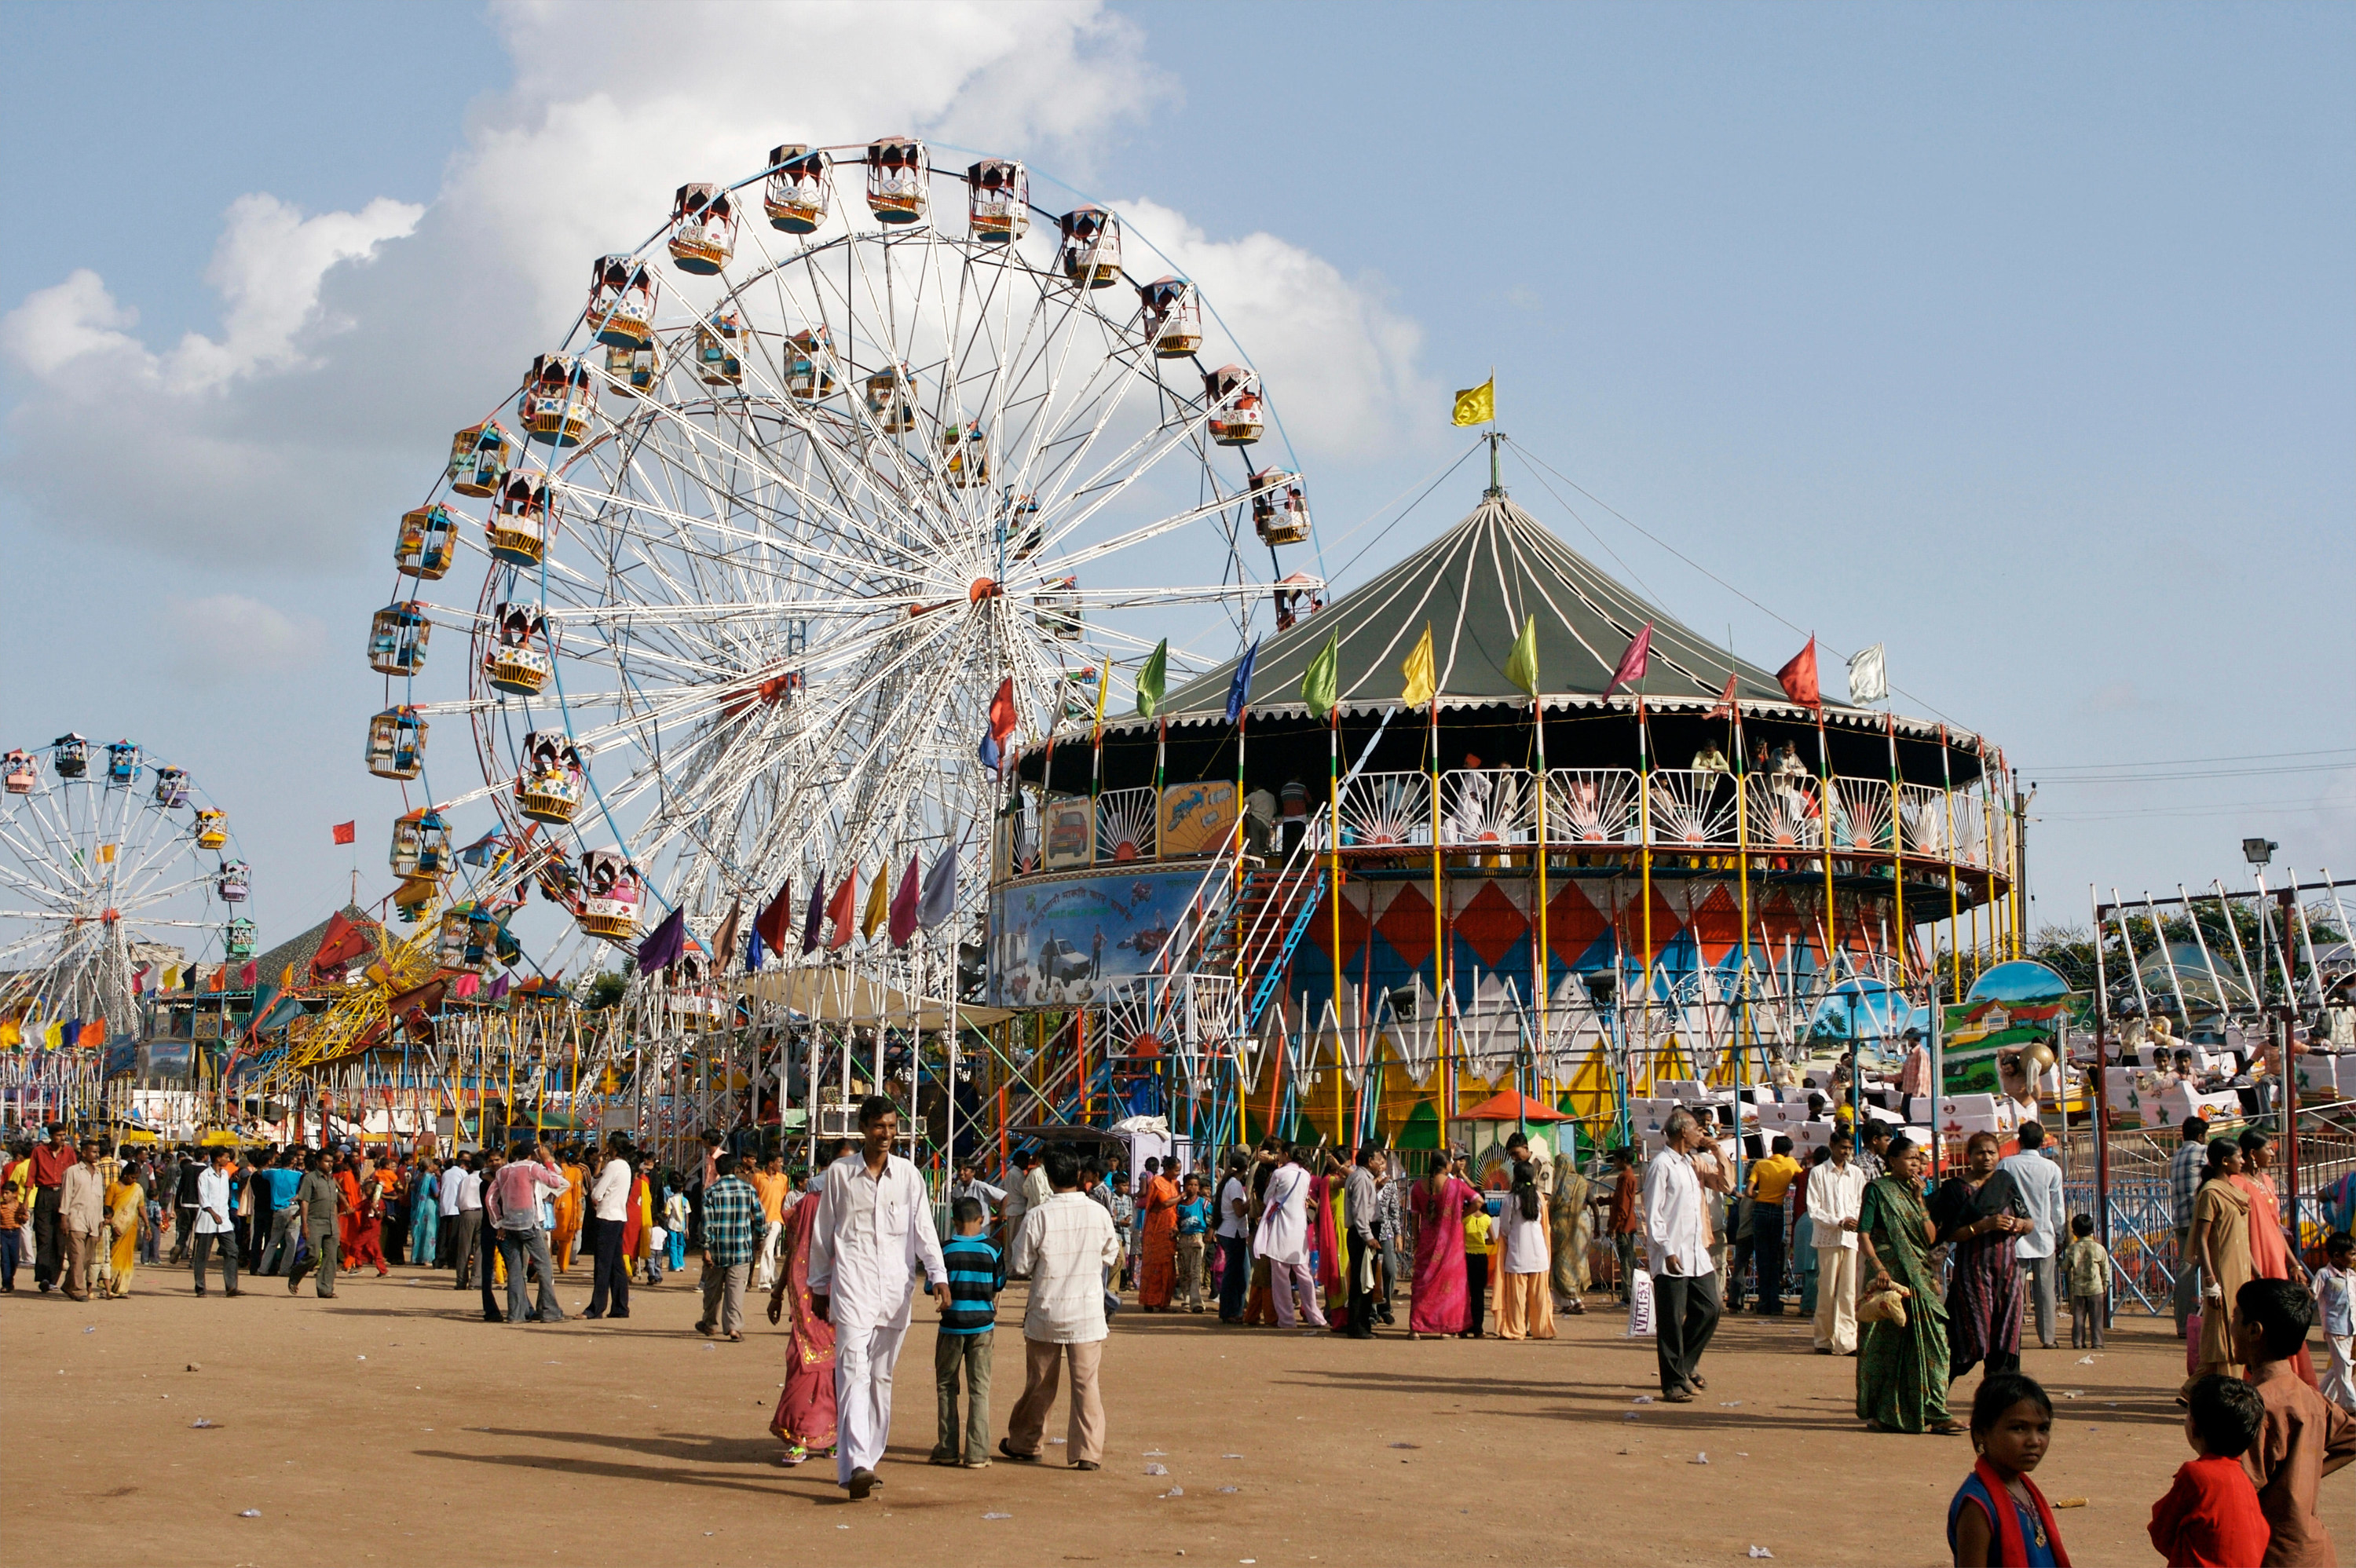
(977, 1273)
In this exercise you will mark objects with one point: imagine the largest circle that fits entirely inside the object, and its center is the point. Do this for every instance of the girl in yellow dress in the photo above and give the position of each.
(125, 1200)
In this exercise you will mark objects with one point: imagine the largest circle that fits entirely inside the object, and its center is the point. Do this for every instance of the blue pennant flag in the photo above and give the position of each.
(478, 853)
(1239, 689)
(989, 752)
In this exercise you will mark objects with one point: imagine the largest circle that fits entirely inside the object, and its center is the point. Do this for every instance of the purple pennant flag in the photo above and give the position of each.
(664, 944)
(499, 989)
(816, 918)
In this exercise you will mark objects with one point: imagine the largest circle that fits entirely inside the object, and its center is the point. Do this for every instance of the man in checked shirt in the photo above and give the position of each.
(2183, 1186)
(732, 1224)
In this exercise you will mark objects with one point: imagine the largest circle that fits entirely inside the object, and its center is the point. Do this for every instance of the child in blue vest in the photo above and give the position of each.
(977, 1272)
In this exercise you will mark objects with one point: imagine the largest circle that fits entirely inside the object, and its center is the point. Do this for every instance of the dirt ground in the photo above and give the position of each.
(394, 1426)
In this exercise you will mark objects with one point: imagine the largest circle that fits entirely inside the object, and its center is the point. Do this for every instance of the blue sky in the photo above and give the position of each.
(2018, 338)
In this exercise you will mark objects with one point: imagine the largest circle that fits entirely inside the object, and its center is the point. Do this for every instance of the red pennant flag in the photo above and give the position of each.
(1725, 709)
(1002, 712)
(903, 924)
(1633, 662)
(1799, 678)
(252, 973)
(348, 832)
(841, 911)
(776, 922)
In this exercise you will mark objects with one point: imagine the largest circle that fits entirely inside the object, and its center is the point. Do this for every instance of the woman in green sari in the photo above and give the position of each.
(1901, 1370)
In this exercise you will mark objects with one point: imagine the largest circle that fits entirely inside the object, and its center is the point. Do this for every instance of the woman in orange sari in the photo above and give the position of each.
(1158, 1269)
(805, 1419)
(2270, 1251)
(568, 1207)
(1324, 1234)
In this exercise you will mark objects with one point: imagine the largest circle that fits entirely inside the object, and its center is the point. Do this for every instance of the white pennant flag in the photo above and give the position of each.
(1868, 679)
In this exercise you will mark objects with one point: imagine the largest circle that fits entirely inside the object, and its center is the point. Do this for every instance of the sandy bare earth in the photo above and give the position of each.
(394, 1426)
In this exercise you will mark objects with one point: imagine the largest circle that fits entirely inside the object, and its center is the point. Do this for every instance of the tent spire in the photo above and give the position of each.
(1497, 489)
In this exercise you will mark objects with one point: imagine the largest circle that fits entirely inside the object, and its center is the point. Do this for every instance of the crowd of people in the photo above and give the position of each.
(1919, 1282)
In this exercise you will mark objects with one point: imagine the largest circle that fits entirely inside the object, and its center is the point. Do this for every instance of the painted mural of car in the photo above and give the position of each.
(1060, 962)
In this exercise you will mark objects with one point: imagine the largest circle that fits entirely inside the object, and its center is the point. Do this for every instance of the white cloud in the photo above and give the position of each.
(351, 343)
(224, 637)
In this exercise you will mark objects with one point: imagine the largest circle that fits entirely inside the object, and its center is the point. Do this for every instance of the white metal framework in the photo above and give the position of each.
(796, 501)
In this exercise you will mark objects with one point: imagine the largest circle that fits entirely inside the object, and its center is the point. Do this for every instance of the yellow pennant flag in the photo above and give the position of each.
(879, 900)
(1476, 405)
(1421, 683)
(106, 854)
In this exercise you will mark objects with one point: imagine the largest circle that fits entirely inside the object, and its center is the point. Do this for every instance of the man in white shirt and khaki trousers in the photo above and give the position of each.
(1066, 1246)
(1677, 1241)
(1836, 1197)
(873, 1229)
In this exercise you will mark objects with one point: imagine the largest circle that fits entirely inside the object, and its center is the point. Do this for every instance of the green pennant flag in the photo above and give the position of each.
(1522, 664)
(1320, 682)
(1153, 680)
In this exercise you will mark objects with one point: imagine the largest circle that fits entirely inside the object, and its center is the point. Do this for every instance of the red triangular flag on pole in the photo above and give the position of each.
(776, 922)
(1633, 662)
(841, 911)
(1799, 678)
(1725, 709)
(1002, 712)
(902, 921)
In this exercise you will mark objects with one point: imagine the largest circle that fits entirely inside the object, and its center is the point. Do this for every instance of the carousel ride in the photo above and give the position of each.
(852, 478)
(1453, 849)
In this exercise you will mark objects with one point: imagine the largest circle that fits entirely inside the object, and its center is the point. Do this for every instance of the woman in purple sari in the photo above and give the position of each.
(1439, 1202)
(804, 1421)
(1980, 1214)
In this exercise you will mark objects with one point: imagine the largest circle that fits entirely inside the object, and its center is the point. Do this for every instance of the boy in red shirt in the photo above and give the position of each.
(2211, 1518)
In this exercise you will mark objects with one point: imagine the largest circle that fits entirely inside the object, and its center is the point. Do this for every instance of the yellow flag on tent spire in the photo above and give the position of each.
(1421, 682)
(1522, 664)
(1477, 405)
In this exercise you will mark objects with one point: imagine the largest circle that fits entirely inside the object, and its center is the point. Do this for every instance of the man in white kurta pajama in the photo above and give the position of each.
(874, 1228)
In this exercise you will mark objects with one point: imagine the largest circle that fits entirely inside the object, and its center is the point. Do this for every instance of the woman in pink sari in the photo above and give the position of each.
(1438, 1203)
(804, 1421)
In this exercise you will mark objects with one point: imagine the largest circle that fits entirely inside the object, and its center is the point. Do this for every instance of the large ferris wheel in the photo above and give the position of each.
(810, 480)
(114, 869)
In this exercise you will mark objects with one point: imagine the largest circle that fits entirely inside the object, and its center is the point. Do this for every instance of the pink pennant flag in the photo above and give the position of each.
(1632, 663)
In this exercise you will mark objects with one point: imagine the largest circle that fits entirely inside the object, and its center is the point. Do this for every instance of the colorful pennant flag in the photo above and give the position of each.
(1321, 683)
(1153, 680)
(724, 944)
(1869, 675)
(774, 923)
(1798, 678)
(1422, 679)
(813, 922)
(663, 944)
(1476, 405)
(1522, 664)
(1001, 725)
(1633, 662)
(903, 918)
(842, 911)
(1239, 689)
(879, 902)
(348, 832)
(1725, 709)
(940, 890)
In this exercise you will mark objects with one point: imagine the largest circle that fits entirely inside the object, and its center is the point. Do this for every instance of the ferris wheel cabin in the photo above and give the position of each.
(1236, 417)
(610, 893)
(19, 772)
(520, 519)
(809, 356)
(703, 229)
(513, 663)
(121, 764)
(421, 844)
(553, 779)
(1279, 510)
(480, 456)
(396, 744)
(69, 755)
(622, 298)
(234, 882)
(1090, 252)
(998, 200)
(797, 196)
(899, 186)
(397, 638)
(1173, 317)
(717, 360)
(891, 401)
(426, 543)
(555, 404)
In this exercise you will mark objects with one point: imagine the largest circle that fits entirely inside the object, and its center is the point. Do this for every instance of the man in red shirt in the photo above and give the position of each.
(49, 1163)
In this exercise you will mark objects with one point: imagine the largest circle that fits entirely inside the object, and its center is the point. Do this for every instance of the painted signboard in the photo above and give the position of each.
(1054, 942)
(2010, 1007)
(1067, 828)
(1197, 817)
